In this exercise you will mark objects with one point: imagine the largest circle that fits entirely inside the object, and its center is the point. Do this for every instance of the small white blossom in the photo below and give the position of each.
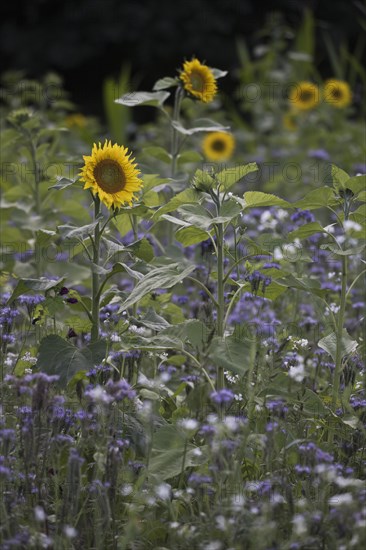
(39, 513)
(189, 424)
(163, 491)
(70, 532)
(299, 525)
(297, 373)
(350, 225)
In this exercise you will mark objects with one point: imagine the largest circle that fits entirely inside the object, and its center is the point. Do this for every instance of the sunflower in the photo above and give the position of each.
(110, 173)
(218, 146)
(337, 93)
(304, 96)
(199, 80)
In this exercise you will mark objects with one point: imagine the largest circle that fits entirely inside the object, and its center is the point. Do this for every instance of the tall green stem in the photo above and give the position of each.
(37, 203)
(220, 296)
(340, 323)
(175, 134)
(95, 275)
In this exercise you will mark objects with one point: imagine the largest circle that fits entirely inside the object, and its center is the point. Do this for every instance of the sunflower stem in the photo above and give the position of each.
(95, 274)
(175, 134)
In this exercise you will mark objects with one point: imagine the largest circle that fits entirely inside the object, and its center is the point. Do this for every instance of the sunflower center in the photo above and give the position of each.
(109, 176)
(197, 81)
(218, 145)
(336, 93)
(306, 95)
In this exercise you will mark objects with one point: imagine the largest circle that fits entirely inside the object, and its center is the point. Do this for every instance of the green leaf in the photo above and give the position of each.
(207, 126)
(169, 447)
(79, 324)
(188, 196)
(164, 83)
(156, 343)
(57, 356)
(312, 403)
(191, 331)
(339, 177)
(62, 183)
(158, 153)
(152, 180)
(44, 237)
(231, 353)
(218, 73)
(191, 235)
(308, 285)
(189, 156)
(318, 198)
(257, 198)
(272, 291)
(142, 249)
(306, 231)
(72, 232)
(230, 176)
(357, 184)
(153, 99)
(198, 216)
(202, 180)
(329, 344)
(161, 277)
(339, 252)
(37, 285)
(151, 320)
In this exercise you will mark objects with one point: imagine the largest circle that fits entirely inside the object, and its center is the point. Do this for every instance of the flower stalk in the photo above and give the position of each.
(175, 134)
(95, 274)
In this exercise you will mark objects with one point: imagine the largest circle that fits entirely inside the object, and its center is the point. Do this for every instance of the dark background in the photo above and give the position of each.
(87, 40)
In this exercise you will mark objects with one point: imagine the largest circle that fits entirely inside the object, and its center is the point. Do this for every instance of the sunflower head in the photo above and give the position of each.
(304, 96)
(218, 146)
(199, 80)
(337, 93)
(111, 174)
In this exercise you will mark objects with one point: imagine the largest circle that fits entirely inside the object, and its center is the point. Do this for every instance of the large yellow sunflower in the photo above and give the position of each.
(110, 173)
(199, 80)
(218, 146)
(337, 93)
(304, 96)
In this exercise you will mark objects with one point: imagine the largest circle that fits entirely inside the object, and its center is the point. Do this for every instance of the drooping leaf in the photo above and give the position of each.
(142, 249)
(188, 196)
(153, 99)
(151, 320)
(306, 231)
(329, 344)
(169, 447)
(72, 232)
(191, 235)
(317, 198)
(63, 182)
(189, 156)
(60, 357)
(164, 83)
(231, 353)
(24, 286)
(206, 126)
(158, 153)
(161, 277)
(257, 198)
